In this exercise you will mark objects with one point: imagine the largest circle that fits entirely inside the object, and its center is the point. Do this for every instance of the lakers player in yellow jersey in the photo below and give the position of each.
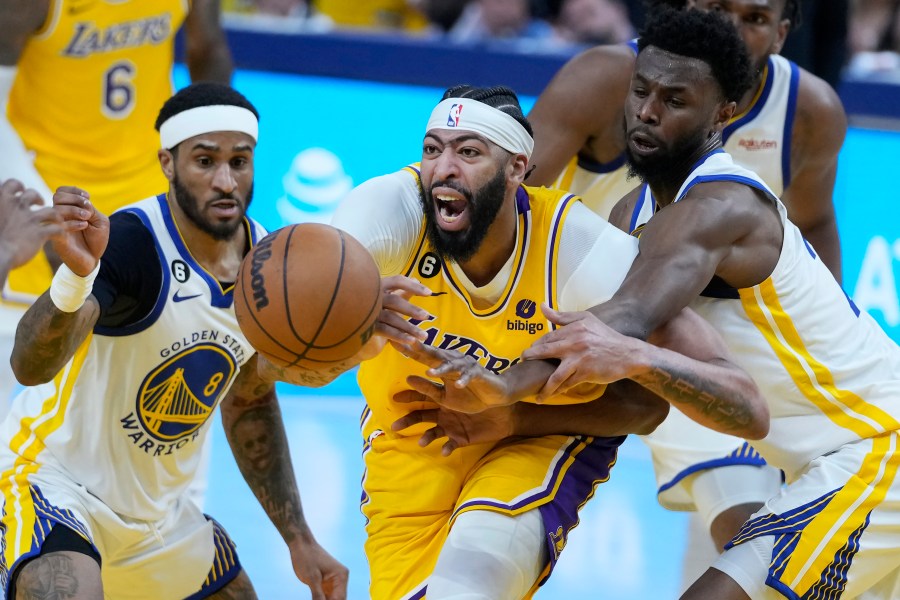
(80, 84)
(489, 521)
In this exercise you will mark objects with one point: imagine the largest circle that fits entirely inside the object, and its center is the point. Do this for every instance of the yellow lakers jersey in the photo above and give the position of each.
(496, 334)
(87, 92)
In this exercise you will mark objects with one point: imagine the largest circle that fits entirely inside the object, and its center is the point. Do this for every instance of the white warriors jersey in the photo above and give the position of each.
(127, 416)
(759, 139)
(828, 371)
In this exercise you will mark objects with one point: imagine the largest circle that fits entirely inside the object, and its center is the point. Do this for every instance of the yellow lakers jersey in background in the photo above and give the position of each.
(88, 88)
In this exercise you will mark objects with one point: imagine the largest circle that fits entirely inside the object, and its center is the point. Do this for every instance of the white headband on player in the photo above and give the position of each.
(494, 124)
(206, 119)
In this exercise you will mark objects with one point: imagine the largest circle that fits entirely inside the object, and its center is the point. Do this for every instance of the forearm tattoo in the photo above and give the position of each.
(258, 441)
(704, 396)
(50, 336)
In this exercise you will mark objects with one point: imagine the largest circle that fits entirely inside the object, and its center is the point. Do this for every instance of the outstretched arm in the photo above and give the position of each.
(580, 110)
(206, 47)
(19, 20)
(60, 320)
(252, 420)
(23, 226)
(685, 362)
(625, 407)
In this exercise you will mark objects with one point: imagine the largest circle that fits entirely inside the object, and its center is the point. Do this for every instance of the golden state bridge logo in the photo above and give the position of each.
(176, 399)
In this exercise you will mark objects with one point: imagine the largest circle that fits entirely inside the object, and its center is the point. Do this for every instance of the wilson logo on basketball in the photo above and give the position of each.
(261, 254)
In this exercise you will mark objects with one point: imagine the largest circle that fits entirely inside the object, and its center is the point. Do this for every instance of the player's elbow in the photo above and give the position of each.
(654, 414)
(758, 422)
(27, 375)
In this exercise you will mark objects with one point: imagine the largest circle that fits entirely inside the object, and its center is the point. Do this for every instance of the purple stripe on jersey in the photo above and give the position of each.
(418, 595)
(523, 204)
(555, 231)
(591, 467)
(591, 464)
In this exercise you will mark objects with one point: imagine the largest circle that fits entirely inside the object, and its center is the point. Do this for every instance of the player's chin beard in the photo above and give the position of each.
(483, 206)
(666, 166)
(190, 205)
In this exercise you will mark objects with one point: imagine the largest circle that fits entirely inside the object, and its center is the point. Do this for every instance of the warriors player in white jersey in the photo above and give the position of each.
(491, 521)
(719, 240)
(788, 128)
(130, 352)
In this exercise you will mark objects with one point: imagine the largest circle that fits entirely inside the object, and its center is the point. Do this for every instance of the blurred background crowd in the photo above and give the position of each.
(858, 37)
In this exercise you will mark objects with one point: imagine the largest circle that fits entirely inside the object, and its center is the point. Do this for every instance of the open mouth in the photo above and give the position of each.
(451, 210)
(643, 144)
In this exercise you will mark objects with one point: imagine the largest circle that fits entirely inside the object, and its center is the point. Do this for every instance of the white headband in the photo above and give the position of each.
(494, 124)
(206, 119)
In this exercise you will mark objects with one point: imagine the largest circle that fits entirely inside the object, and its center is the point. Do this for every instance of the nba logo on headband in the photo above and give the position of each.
(453, 116)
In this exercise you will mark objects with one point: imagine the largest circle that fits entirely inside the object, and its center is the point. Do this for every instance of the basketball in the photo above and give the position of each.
(307, 294)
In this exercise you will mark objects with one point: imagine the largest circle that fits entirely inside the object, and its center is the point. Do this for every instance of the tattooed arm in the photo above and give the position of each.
(684, 361)
(47, 337)
(252, 420)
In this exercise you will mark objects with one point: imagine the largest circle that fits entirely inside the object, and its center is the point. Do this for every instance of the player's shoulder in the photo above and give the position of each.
(816, 97)
(600, 63)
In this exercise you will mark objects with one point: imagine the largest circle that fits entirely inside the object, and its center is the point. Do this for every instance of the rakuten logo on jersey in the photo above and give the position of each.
(753, 145)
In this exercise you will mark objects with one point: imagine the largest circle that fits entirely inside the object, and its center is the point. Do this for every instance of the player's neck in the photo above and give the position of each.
(496, 248)
(666, 188)
(751, 94)
(220, 257)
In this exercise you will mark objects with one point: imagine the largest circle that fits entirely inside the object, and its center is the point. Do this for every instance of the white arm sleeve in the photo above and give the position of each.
(385, 215)
(594, 258)
(14, 160)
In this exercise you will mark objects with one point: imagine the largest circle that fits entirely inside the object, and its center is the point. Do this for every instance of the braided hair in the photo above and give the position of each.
(500, 97)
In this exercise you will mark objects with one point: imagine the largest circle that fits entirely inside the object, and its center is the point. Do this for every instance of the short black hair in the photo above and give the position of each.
(791, 10)
(705, 36)
(500, 97)
(204, 93)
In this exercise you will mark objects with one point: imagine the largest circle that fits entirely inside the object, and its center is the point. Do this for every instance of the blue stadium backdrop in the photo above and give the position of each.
(319, 137)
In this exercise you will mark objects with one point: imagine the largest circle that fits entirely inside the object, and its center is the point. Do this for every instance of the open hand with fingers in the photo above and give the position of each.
(396, 310)
(24, 225)
(589, 351)
(460, 429)
(466, 386)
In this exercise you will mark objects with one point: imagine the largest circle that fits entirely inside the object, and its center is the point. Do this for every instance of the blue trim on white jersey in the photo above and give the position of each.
(757, 106)
(150, 319)
(633, 44)
(218, 298)
(644, 196)
(789, 126)
(753, 460)
(735, 178)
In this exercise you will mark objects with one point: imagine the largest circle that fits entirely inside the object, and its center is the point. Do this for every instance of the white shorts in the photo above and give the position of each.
(172, 558)
(681, 448)
(833, 532)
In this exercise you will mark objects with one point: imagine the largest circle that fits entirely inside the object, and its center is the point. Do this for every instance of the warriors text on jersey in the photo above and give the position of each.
(127, 415)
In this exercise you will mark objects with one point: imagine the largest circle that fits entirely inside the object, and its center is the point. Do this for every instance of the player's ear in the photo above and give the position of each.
(784, 27)
(166, 163)
(725, 114)
(519, 167)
